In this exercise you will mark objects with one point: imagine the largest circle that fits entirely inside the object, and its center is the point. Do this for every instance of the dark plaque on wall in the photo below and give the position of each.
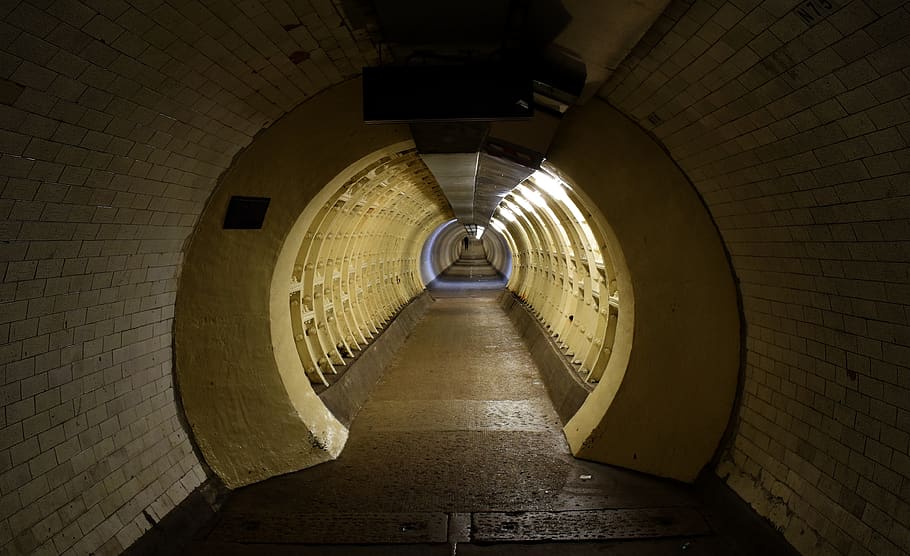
(246, 213)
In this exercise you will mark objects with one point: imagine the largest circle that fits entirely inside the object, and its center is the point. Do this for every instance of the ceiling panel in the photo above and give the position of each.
(456, 174)
(495, 177)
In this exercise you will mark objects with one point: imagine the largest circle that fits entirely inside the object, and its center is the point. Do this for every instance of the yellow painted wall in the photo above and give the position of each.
(666, 396)
(662, 403)
(250, 418)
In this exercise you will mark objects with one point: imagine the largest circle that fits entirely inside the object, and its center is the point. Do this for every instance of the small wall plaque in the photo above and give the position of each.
(246, 213)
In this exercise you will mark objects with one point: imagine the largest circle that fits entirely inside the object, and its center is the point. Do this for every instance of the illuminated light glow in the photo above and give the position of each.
(556, 189)
(531, 195)
(524, 203)
(499, 226)
(426, 254)
(480, 231)
(546, 181)
(514, 208)
(508, 214)
(534, 196)
(551, 186)
(522, 193)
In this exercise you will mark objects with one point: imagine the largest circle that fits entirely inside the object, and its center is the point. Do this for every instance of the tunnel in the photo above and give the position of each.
(673, 281)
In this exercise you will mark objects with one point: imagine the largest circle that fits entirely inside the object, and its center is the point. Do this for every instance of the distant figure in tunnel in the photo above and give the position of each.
(465, 241)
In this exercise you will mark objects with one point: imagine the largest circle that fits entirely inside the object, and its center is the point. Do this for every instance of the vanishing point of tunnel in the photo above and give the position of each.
(401, 277)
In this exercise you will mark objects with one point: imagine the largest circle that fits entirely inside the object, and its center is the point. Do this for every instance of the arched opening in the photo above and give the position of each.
(244, 388)
(565, 268)
(356, 264)
(356, 228)
(446, 244)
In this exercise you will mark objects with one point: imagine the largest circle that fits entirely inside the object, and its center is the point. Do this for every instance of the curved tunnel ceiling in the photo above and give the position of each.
(556, 46)
(358, 262)
(444, 246)
(119, 117)
(340, 254)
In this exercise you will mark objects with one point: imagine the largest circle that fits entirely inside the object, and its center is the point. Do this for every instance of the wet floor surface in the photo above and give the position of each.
(459, 451)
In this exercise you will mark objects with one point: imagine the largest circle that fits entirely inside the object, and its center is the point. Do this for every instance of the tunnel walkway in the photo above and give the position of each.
(459, 451)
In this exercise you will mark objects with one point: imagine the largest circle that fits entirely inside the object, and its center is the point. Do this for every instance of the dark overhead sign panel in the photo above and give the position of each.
(395, 94)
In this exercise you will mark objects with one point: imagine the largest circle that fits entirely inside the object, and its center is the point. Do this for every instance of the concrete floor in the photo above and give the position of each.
(459, 451)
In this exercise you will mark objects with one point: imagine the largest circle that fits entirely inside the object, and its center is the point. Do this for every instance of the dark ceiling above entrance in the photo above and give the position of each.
(435, 64)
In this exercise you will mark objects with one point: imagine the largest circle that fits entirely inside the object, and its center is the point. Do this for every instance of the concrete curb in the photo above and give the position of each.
(345, 397)
(567, 391)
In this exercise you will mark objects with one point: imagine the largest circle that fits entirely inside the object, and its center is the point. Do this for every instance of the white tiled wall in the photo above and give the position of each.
(116, 118)
(793, 120)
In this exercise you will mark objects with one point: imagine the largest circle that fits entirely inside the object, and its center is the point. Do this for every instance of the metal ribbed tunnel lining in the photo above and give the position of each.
(459, 446)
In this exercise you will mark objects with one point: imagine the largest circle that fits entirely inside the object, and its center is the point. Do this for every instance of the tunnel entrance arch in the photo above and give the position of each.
(243, 387)
(669, 389)
(355, 251)
(615, 255)
(662, 402)
(444, 246)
